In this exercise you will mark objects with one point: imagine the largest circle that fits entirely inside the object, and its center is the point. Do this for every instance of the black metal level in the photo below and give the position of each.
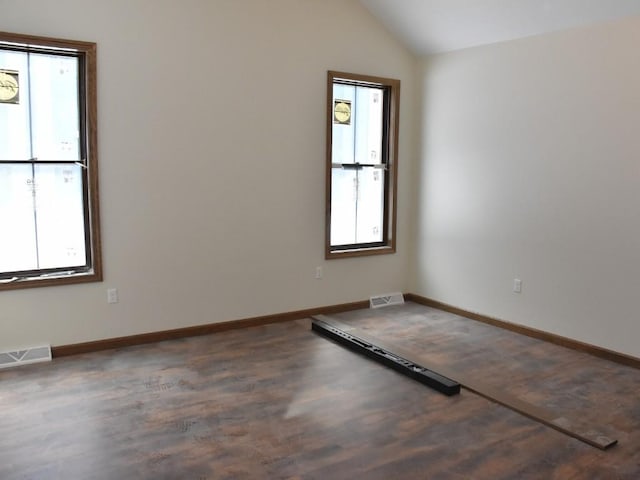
(391, 360)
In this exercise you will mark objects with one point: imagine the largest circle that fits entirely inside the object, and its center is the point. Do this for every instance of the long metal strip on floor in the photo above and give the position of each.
(390, 359)
(562, 424)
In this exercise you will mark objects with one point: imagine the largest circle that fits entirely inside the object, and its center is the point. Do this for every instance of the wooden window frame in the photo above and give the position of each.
(391, 88)
(86, 52)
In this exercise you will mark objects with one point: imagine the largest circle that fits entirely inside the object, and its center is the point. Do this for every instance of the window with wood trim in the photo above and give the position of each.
(49, 230)
(362, 164)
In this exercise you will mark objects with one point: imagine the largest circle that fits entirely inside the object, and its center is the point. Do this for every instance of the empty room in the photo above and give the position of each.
(319, 239)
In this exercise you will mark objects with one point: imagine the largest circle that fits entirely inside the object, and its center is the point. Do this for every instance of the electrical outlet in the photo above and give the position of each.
(318, 273)
(112, 295)
(517, 285)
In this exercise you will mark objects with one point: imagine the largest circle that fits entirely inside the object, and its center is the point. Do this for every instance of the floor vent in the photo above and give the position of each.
(23, 357)
(385, 300)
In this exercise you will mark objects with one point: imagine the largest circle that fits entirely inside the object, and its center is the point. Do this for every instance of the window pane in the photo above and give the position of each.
(343, 206)
(343, 147)
(17, 229)
(368, 112)
(54, 97)
(60, 218)
(14, 118)
(370, 211)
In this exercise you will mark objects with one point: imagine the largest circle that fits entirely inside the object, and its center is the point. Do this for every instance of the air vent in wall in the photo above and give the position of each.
(23, 357)
(386, 300)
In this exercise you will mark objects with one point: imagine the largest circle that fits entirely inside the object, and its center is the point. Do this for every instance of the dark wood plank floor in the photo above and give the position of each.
(279, 402)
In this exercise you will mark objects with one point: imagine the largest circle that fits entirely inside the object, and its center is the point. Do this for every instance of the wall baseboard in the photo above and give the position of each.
(198, 330)
(152, 337)
(594, 350)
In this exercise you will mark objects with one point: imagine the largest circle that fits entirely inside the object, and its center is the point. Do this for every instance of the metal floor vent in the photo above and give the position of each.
(23, 357)
(385, 300)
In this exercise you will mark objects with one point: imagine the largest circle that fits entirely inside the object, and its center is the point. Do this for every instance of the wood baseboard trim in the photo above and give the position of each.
(594, 350)
(152, 337)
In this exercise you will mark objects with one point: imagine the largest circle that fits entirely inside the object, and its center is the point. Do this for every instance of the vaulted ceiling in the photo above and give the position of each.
(433, 26)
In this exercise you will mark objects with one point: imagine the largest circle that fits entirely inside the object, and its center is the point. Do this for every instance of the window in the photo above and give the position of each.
(362, 164)
(49, 230)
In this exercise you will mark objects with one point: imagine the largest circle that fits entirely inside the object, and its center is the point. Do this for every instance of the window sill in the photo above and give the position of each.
(49, 281)
(360, 252)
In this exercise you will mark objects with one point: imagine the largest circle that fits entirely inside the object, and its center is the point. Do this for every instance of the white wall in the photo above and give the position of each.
(531, 169)
(212, 144)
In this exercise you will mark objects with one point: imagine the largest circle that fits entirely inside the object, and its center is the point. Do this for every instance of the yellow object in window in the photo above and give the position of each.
(342, 112)
(9, 87)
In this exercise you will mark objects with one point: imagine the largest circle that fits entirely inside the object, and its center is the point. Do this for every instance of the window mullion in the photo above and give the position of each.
(33, 166)
(35, 212)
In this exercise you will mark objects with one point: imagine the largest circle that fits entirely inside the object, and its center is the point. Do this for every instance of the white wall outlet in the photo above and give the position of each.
(112, 295)
(318, 273)
(517, 285)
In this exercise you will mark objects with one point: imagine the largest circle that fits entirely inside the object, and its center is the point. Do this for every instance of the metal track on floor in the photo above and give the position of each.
(399, 364)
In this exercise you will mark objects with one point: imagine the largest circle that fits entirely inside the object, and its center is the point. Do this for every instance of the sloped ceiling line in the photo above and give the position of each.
(435, 26)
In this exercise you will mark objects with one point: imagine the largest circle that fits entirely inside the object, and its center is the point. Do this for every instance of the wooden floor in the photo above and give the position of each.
(279, 401)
